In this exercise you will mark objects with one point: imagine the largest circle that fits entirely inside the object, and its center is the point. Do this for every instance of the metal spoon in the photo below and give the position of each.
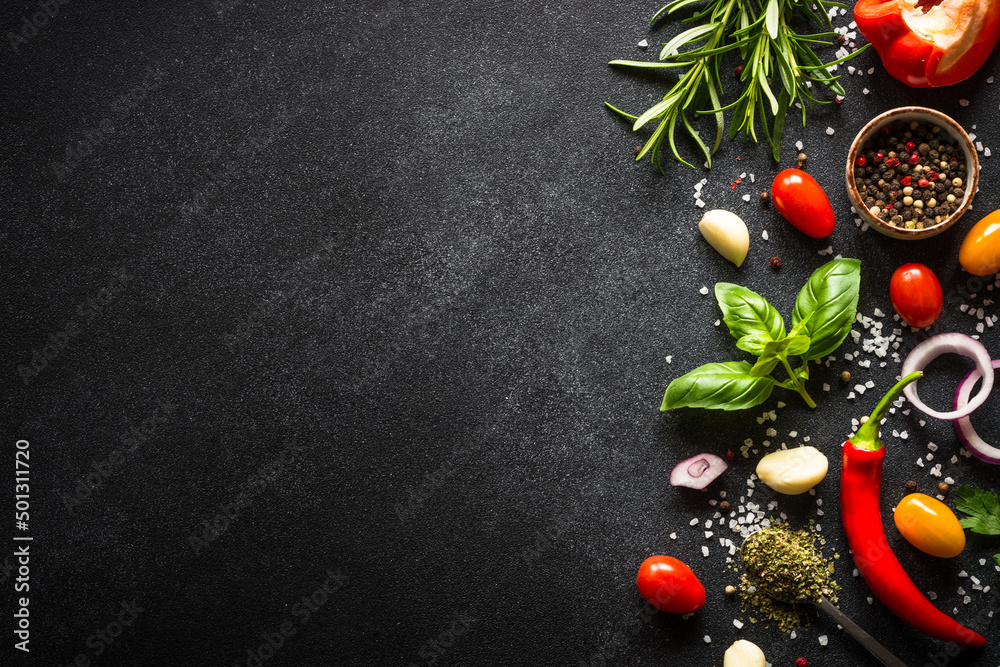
(876, 649)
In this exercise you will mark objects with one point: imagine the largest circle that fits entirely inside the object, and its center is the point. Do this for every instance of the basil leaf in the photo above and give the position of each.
(801, 325)
(747, 313)
(764, 365)
(830, 298)
(726, 386)
(775, 351)
(754, 344)
(796, 345)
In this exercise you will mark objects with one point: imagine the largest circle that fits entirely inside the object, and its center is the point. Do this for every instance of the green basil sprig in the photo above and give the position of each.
(824, 313)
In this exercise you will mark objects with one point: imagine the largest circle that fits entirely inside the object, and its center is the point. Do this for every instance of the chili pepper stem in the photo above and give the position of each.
(867, 435)
(798, 384)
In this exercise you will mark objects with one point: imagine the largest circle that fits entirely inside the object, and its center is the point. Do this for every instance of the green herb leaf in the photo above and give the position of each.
(773, 352)
(830, 300)
(747, 313)
(765, 33)
(753, 343)
(690, 35)
(771, 17)
(983, 509)
(996, 557)
(725, 386)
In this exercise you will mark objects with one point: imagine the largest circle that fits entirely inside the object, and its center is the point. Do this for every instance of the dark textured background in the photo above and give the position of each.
(407, 238)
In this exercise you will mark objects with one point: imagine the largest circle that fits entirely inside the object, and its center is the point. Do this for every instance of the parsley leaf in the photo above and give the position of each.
(983, 509)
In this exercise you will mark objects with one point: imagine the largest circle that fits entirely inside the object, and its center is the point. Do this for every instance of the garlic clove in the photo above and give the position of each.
(727, 233)
(744, 654)
(793, 471)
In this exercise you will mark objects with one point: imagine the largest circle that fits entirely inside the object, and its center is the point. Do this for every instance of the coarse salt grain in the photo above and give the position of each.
(703, 290)
(830, 131)
(764, 235)
(823, 640)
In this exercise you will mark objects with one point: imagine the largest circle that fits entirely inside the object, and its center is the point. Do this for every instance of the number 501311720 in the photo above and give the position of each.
(21, 487)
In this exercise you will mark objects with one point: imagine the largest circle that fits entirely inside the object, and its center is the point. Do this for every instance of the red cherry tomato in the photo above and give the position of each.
(670, 585)
(916, 295)
(798, 197)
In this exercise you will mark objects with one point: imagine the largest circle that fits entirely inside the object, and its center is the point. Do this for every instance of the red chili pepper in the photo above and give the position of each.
(926, 44)
(860, 487)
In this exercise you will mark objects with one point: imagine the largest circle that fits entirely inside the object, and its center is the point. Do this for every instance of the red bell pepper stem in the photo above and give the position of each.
(860, 488)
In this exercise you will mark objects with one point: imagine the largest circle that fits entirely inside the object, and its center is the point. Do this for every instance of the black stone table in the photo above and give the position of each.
(337, 333)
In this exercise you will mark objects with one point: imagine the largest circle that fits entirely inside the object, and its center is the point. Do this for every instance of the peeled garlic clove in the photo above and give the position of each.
(793, 471)
(744, 654)
(727, 233)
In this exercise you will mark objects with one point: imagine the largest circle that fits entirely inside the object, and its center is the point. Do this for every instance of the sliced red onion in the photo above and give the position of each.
(963, 427)
(698, 472)
(945, 343)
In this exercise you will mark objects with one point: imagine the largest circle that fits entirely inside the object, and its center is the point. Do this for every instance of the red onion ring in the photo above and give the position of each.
(934, 347)
(963, 427)
(698, 472)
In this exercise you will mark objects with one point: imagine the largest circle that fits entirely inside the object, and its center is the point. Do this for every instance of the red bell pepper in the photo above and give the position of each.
(860, 487)
(930, 43)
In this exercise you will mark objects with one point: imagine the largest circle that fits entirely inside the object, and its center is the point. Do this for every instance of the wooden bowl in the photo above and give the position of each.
(955, 134)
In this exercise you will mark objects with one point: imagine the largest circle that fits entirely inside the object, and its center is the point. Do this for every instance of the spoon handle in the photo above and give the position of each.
(879, 651)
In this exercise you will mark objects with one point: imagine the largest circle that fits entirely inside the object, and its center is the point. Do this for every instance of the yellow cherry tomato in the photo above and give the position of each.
(929, 525)
(980, 251)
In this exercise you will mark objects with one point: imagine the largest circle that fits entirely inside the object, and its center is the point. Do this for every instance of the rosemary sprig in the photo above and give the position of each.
(775, 57)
